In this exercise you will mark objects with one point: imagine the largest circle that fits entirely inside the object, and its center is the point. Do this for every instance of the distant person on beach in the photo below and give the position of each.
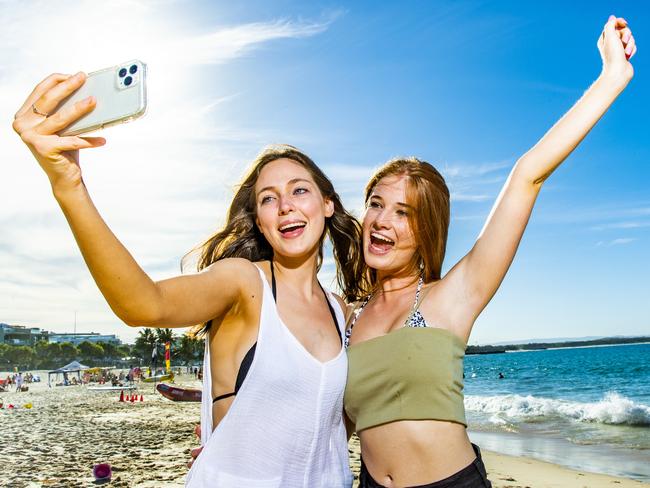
(408, 336)
(265, 316)
(19, 382)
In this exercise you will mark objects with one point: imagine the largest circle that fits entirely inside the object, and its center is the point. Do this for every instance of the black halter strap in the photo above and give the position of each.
(274, 287)
(248, 358)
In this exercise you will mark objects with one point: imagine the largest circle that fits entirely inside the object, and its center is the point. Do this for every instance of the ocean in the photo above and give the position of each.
(585, 408)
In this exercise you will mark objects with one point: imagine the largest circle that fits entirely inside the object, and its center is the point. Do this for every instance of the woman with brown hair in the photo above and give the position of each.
(266, 318)
(407, 338)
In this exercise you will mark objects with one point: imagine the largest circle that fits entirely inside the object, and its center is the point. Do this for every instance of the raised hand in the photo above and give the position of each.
(617, 46)
(58, 156)
(485, 266)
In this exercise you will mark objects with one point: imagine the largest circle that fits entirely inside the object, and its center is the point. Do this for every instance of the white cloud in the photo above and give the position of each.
(621, 225)
(603, 215)
(464, 197)
(615, 242)
(465, 170)
(225, 44)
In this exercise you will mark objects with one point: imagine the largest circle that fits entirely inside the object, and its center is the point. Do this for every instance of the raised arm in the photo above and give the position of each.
(131, 294)
(479, 274)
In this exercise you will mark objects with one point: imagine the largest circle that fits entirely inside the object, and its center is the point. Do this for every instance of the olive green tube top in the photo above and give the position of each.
(412, 373)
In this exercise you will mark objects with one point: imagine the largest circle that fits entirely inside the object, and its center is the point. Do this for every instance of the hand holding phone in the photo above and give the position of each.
(63, 106)
(120, 92)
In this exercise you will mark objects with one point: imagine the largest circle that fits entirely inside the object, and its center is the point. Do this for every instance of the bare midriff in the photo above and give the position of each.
(415, 452)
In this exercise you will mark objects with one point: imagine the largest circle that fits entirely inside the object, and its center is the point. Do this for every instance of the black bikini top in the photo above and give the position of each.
(248, 358)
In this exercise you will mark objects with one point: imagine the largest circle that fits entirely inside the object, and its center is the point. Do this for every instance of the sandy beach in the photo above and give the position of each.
(519, 472)
(69, 429)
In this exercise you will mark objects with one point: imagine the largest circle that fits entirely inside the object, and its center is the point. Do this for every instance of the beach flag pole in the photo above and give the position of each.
(168, 365)
(154, 357)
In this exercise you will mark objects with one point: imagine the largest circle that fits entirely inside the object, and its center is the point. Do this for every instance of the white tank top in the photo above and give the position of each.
(285, 426)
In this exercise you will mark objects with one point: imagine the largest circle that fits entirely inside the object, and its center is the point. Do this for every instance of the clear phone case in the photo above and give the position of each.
(121, 96)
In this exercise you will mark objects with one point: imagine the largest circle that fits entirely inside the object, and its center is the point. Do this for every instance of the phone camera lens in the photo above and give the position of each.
(122, 73)
(128, 80)
(133, 69)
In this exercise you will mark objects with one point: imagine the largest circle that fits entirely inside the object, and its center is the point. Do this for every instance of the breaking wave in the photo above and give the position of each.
(612, 409)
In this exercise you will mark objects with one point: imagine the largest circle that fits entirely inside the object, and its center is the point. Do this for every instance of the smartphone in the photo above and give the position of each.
(121, 96)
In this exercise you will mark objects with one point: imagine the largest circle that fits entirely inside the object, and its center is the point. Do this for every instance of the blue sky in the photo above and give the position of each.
(467, 86)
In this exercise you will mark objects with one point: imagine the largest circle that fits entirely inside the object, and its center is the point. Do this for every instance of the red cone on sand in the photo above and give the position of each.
(141, 398)
(121, 395)
(132, 398)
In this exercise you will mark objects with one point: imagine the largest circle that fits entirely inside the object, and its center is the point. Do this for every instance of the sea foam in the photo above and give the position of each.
(612, 409)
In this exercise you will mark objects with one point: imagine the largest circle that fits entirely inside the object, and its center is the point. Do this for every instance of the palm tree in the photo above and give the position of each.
(189, 349)
(145, 342)
(165, 335)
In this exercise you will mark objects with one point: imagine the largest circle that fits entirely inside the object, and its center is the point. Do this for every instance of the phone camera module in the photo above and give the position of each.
(128, 80)
(133, 69)
(122, 73)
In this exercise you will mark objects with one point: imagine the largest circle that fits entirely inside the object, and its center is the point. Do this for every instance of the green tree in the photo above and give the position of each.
(144, 344)
(54, 354)
(20, 357)
(47, 354)
(4, 361)
(165, 335)
(68, 352)
(124, 351)
(189, 349)
(91, 352)
(111, 351)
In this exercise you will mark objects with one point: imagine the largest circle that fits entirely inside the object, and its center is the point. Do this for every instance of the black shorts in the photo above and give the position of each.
(472, 476)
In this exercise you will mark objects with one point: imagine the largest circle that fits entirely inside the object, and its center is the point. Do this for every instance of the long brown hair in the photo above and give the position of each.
(241, 238)
(427, 193)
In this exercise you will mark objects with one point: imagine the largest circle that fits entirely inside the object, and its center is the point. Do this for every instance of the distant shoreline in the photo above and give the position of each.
(539, 346)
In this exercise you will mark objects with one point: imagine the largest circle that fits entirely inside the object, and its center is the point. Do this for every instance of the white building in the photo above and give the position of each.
(78, 338)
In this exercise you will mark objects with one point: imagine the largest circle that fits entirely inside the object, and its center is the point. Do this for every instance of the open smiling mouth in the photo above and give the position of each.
(293, 229)
(380, 244)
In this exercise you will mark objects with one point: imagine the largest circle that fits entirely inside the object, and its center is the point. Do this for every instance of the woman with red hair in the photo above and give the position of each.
(407, 338)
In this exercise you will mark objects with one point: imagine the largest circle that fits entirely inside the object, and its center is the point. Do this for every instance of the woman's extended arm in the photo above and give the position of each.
(481, 271)
(133, 296)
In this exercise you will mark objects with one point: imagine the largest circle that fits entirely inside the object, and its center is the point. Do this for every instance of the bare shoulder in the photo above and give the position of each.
(241, 276)
(446, 303)
(244, 277)
(219, 289)
(234, 269)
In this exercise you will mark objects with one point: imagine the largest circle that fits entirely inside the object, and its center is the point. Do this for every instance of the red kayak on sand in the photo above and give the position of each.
(179, 394)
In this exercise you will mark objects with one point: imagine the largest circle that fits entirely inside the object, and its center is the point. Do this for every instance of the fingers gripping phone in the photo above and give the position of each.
(121, 96)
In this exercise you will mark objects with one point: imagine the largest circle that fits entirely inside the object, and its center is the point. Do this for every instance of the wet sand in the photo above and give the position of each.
(520, 472)
(70, 429)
